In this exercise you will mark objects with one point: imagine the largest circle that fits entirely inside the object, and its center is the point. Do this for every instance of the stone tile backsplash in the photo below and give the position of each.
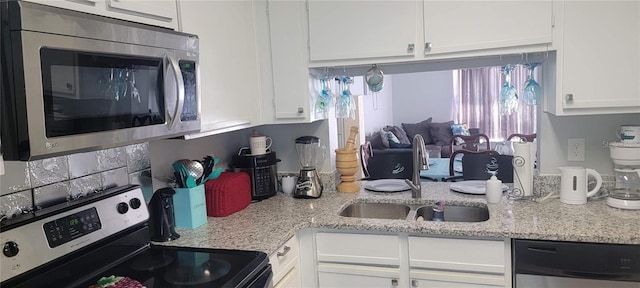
(41, 183)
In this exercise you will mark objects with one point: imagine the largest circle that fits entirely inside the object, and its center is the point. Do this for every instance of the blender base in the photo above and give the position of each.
(623, 204)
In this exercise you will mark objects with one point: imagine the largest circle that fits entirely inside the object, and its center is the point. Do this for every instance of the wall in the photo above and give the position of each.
(418, 96)
(378, 107)
(554, 132)
(50, 181)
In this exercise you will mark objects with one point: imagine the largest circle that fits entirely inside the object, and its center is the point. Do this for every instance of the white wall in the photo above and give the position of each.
(418, 96)
(379, 114)
(597, 130)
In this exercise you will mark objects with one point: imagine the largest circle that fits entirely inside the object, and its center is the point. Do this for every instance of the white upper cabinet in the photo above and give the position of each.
(355, 29)
(460, 26)
(598, 60)
(229, 85)
(163, 13)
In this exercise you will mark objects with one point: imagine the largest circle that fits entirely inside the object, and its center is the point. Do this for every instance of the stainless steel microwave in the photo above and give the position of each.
(74, 82)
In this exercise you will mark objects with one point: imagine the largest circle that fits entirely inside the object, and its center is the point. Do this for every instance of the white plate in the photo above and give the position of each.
(387, 185)
(476, 187)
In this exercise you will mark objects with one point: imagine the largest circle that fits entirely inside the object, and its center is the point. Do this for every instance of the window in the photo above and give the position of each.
(476, 93)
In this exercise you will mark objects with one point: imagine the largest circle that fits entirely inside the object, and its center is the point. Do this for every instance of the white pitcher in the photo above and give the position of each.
(574, 182)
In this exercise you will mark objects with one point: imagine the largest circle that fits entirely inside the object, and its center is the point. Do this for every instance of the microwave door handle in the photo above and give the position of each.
(180, 89)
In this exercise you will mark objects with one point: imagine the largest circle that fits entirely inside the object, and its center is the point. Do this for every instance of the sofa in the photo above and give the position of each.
(392, 144)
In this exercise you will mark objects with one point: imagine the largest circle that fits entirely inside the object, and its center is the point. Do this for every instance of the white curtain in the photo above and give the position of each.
(476, 93)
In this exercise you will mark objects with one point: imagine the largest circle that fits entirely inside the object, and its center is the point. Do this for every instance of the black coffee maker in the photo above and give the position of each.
(161, 218)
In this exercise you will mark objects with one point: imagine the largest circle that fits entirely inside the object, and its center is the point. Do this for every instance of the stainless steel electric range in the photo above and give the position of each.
(76, 244)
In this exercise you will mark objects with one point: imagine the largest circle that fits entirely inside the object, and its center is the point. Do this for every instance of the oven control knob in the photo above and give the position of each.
(123, 207)
(10, 249)
(135, 203)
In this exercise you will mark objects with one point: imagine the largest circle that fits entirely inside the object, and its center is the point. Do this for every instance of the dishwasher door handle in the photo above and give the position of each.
(543, 249)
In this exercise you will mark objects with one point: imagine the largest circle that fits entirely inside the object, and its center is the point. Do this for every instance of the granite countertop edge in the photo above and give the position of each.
(267, 225)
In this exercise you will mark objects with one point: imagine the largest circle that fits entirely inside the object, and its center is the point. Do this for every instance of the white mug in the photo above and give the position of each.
(259, 144)
(574, 182)
(288, 184)
(629, 133)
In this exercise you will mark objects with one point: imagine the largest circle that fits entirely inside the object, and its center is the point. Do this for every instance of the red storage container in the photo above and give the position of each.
(228, 194)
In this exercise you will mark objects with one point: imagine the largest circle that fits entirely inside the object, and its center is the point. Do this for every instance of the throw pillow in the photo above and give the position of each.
(460, 129)
(441, 132)
(388, 136)
(421, 128)
(376, 141)
(400, 134)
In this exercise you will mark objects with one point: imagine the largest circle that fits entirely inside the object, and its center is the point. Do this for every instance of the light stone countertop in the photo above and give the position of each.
(266, 225)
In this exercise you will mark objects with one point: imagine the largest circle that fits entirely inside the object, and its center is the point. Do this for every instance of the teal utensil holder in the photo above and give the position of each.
(189, 207)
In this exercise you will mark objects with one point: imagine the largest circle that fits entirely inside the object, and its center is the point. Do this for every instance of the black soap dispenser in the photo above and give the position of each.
(161, 218)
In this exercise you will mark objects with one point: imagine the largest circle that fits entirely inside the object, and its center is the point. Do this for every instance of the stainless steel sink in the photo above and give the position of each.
(455, 213)
(376, 211)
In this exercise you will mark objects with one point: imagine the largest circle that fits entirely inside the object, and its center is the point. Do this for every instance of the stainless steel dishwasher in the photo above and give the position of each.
(539, 264)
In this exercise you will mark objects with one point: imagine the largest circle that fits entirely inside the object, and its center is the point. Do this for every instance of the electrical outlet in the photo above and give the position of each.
(576, 149)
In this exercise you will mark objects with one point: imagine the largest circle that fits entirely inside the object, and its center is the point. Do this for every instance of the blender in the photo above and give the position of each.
(310, 154)
(626, 160)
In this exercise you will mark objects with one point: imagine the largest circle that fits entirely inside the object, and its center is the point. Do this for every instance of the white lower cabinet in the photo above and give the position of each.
(351, 259)
(446, 262)
(285, 265)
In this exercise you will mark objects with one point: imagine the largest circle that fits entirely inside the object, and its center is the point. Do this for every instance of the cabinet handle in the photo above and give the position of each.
(414, 283)
(568, 97)
(410, 48)
(284, 252)
(394, 282)
(427, 47)
(300, 110)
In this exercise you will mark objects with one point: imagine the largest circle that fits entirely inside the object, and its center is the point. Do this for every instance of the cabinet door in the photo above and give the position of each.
(290, 280)
(159, 9)
(339, 275)
(459, 26)
(356, 29)
(445, 279)
(229, 88)
(600, 57)
(153, 12)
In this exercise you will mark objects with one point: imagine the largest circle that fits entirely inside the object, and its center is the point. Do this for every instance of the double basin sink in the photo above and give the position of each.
(452, 213)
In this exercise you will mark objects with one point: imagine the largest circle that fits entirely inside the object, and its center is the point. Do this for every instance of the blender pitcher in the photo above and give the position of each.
(310, 154)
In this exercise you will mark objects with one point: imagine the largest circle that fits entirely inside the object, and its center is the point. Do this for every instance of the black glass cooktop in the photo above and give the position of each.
(162, 266)
(154, 266)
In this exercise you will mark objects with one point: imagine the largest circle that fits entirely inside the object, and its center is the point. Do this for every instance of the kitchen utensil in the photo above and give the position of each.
(186, 179)
(532, 90)
(476, 187)
(574, 182)
(387, 185)
(508, 93)
(259, 144)
(194, 168)
(374, 78)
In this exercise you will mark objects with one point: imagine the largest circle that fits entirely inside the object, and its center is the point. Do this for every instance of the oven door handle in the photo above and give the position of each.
(175, 117)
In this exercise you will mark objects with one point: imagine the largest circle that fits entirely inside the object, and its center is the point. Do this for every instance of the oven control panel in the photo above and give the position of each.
(39, 242)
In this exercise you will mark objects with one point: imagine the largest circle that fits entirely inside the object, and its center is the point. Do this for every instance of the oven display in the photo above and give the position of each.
(65, 229)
